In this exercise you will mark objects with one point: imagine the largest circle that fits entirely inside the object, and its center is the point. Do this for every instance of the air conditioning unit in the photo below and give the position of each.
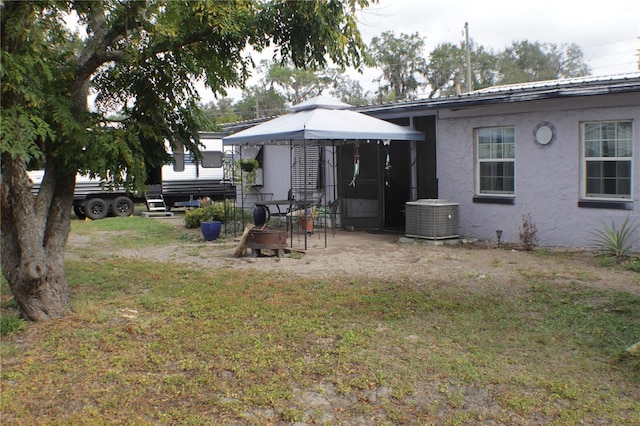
(432, 219)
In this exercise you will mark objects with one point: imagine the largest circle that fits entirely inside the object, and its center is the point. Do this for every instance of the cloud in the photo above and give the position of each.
(607, 33)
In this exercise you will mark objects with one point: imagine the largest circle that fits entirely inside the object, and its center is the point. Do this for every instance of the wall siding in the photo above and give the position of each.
(547, 177)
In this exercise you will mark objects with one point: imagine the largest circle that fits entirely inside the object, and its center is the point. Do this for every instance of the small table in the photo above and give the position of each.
(276, 203)
(291, 206)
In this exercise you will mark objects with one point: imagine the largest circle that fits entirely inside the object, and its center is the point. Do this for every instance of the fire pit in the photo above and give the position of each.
(264, 238)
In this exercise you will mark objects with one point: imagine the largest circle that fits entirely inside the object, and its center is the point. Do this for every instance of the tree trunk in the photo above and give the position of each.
(41, 296)
(34, 236)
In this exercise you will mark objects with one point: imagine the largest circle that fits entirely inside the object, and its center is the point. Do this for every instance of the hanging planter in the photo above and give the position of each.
(248, 164)
(245, 172)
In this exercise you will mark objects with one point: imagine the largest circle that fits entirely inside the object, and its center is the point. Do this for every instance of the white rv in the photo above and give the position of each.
(178, 184)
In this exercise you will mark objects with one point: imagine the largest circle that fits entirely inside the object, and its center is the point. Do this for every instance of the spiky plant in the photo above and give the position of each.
(616, 242)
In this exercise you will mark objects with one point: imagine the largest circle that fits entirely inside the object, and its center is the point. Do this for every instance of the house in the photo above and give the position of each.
(565, 152)
(560, 151)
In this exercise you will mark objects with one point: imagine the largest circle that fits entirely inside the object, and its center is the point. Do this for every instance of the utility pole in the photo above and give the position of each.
(466, 32)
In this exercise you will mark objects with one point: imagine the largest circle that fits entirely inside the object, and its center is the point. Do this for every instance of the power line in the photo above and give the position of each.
(610, 42)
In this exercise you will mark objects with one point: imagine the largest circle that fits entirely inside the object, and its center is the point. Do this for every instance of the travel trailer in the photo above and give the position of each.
(174, 185)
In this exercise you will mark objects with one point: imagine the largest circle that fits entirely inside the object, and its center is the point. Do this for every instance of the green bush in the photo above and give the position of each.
(213, 212)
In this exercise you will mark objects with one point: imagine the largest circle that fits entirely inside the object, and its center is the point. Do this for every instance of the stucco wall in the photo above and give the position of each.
(277, 176)
(547, 177)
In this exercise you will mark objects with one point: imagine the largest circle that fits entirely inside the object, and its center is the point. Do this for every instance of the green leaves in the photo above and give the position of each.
(20, 133)
(309, 32)
(401, 61)
(142, 59)
(616, 242)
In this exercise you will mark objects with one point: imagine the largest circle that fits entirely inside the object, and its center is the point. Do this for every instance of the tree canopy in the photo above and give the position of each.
(407, 72)
(400, 58)
(535, 61)
(282, 86)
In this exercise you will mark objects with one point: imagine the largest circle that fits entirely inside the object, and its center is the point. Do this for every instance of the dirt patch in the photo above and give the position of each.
(478, 265)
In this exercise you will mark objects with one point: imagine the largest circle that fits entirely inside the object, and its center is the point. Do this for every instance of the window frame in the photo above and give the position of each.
(584, 160)
(212, 159)
(479, 193)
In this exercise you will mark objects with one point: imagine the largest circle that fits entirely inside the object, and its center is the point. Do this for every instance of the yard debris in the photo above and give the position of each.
(632, 353)
(128, 313)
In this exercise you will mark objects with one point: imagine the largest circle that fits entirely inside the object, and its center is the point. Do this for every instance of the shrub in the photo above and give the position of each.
(616, 242)
(210, 211)
(528, 233)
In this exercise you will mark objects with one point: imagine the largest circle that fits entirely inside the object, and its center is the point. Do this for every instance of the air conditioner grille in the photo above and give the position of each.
(432, 218)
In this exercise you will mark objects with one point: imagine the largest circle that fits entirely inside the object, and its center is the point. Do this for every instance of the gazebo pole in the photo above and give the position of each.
(242, 194)
(304, 191)
(290, 219)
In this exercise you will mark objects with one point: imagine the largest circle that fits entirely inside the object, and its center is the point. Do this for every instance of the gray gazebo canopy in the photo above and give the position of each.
(322, 119)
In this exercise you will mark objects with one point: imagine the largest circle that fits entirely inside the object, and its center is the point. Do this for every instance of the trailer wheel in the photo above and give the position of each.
(79, 212)
(122, 207)
(96, 208)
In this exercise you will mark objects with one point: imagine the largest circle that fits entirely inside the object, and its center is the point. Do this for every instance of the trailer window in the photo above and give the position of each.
(178, 161)
(212, 159)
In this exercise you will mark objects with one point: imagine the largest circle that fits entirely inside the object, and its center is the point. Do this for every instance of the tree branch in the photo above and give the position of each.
(96, 52)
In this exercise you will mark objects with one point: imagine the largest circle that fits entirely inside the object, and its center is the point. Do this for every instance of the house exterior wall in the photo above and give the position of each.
(277, 177)
(547, 178)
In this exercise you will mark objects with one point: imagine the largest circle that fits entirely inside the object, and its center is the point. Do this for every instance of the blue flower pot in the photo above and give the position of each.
(210, 230)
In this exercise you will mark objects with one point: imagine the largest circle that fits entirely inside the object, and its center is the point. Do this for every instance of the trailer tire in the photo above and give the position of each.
(122, 207)
(79, 212)
(96, 208)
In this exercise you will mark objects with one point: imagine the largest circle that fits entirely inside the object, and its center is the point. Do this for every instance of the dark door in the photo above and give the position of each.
(426, 169)
(397, 182)
(360, 197)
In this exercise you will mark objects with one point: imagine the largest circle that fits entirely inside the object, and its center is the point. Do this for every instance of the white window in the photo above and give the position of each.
(178, 161)
(607, 166)
(212, 159)
(495, 161)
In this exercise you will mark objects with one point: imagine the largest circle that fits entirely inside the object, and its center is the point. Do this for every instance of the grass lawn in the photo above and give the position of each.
(168, 343)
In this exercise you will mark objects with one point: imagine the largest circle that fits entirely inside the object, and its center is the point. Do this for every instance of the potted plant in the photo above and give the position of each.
(247, 172)
(248, 164)
(210, 218)
(243, 171)
(306, 217)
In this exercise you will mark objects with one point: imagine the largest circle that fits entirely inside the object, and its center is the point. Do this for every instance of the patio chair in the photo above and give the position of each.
(328, 215)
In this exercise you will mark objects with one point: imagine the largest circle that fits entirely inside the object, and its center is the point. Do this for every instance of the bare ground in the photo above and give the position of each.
(478, 265)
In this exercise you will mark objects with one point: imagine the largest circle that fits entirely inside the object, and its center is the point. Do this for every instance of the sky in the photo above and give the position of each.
(607, 32)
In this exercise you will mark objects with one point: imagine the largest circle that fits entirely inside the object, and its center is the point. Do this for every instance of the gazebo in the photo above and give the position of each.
(332, 126)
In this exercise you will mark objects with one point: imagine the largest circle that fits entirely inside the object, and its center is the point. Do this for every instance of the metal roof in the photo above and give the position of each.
(569, 87)
(521, 92)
